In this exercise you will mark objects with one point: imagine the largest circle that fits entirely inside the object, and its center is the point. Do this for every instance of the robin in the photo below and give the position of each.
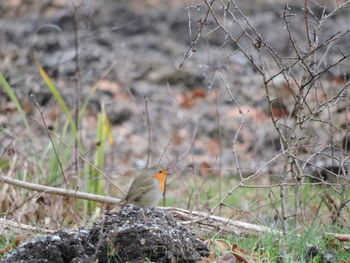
(146, 189)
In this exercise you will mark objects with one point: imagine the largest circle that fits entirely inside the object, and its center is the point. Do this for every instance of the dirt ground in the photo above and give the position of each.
(133, 52)
(131, 235)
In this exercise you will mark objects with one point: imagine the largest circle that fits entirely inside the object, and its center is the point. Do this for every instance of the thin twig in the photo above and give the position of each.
(148, 132)
(10, 224)
(77, 86)
(59, 191)
(50, 137)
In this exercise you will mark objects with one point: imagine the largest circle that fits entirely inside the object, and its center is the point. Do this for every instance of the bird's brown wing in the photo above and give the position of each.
(136, 192)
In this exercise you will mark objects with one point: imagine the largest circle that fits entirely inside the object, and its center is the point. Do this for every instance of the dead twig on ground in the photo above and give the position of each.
(201, 221)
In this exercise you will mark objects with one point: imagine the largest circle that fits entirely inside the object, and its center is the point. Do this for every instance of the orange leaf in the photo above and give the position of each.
(198, 93)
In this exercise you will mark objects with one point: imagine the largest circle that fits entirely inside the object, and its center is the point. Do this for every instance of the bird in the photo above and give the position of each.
(146, 189)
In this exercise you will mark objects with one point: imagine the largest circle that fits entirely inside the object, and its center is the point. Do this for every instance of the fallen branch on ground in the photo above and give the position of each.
(12, 224)
(199, 221)
(340, 237)
(59, 191)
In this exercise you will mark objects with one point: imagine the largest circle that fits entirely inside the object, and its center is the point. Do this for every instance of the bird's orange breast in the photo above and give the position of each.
(161, 176)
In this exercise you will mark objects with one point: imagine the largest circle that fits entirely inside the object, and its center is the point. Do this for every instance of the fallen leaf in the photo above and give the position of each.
(240, 254)
(278, 109)
(185, 100)
(216, 247)
(198, 93)
(204, 168)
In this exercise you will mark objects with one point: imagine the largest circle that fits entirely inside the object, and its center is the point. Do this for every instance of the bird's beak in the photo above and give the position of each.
(168, 173)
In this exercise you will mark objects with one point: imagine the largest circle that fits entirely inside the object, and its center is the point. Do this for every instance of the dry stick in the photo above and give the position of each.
(321, 168)
(172, 164)
(240, 212)
(160, 160)
(255, 42)
(212, 223)
(77, 95)
(189, 22)
(11, 224)
(331, 39)
(306, 11)
(253, 176)
(148, 132)
(340, 237)
(341, 207)
(239, 128)
(50, 137)
(344, 202)
(59, 191)
(234, 40)
(188, 150)
(336, 9)
(77, 86)
(164, 151)
(217, 222)
(282, 195)
(291, 141)
(220, 146)
(318, 75)
(292, 40)
(295, 184)
(195, 40)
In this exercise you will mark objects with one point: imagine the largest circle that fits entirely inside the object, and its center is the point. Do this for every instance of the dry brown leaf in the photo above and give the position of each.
(216, 247)
(185, 100)
(213, 147)
(188, 99)
(240, 254)
(204, 168)
(198, 93)
(279, 111)
(13, 244)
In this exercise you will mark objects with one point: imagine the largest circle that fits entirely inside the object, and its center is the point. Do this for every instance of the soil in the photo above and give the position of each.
(131, 235)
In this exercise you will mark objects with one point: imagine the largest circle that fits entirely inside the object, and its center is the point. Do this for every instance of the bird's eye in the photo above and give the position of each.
(160, 171)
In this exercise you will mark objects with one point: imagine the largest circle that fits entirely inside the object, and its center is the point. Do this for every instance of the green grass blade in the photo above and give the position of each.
(4, 163)
(86, 102)
(100, 151)
(9, 91)
(58, 98)
(103, 135)
(64, 154)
